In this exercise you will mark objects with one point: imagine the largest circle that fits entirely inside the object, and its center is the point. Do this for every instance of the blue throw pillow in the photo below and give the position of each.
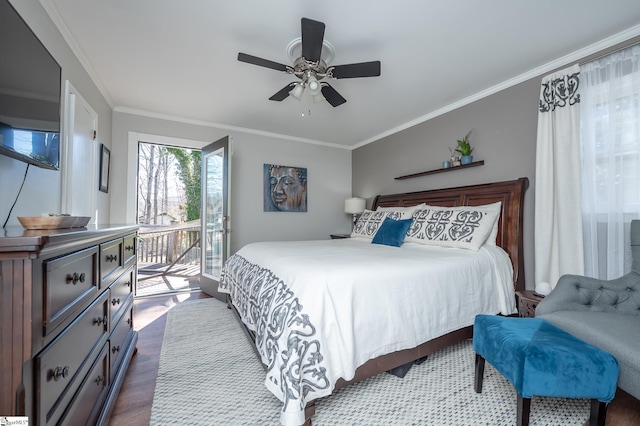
(392, 232)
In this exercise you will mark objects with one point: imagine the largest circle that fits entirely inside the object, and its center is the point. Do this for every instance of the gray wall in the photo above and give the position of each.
(504, 136)
(328, 168)
(42, 188)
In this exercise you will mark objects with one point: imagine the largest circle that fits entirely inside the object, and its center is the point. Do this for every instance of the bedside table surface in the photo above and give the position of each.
(529, 295)
(339, 236)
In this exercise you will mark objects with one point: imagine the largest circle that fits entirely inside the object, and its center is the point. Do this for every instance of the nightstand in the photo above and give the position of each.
(340, 236)
(527, 303)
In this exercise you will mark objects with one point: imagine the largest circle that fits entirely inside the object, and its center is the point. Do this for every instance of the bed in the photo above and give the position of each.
(324, 314)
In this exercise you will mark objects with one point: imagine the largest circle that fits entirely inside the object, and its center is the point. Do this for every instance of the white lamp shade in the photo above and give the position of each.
(297, 91)
(354, 205)
(317, 98)
(313, 85)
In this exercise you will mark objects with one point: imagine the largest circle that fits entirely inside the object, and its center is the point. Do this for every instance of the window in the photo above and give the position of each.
(610, 140)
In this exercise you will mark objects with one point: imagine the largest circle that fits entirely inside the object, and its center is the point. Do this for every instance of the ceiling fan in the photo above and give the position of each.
(311, 69)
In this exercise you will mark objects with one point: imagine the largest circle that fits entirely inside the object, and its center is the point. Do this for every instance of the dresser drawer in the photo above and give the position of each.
(120, 291)
(120, 336)
(89, 399)
(70, 283)
(59, 364)
(111, 262)
(130, 249)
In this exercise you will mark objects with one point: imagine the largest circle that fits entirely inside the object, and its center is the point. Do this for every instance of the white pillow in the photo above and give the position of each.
(401, 209)
(494, 207)
(369, 222)
(463, 227)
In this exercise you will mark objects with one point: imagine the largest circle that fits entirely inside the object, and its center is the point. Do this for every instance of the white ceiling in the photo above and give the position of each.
(178, 59)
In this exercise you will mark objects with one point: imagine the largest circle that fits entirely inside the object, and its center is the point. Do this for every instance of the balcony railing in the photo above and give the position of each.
(169, 245)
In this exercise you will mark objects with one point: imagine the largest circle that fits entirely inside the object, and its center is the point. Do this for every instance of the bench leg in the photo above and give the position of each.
(479, 373)
(524, 409)
(598, 413)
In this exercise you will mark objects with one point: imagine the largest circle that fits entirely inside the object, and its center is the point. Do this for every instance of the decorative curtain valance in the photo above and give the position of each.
(558, 218)
(558, 92)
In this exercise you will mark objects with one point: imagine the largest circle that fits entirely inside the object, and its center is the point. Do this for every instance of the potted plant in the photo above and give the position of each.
(465, 149)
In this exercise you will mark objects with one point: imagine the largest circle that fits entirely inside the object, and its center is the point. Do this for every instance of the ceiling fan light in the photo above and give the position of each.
(313, 85)
(297, 91)
(317, 98)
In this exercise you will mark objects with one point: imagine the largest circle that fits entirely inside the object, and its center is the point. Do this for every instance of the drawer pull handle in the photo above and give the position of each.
(112, 258)
(128, 248)
(115, 301)
(115, 349)
(75, 278)
(61, 373)
(100, 380)
(100, 321)
(127, 284)
(129, 321)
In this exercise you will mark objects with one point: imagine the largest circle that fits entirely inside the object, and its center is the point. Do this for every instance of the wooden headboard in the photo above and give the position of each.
(510, 193)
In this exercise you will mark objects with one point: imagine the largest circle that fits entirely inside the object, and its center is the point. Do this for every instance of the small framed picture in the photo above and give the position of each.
(105, 161)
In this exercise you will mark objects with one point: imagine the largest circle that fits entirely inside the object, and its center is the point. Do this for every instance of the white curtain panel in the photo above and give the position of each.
(610, 114)
(558, 216)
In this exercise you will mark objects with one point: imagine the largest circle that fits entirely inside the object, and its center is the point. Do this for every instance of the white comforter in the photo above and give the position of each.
(320, 309)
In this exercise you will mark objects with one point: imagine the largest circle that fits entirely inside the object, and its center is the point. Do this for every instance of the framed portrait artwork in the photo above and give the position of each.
(285, 188)
(105, 162)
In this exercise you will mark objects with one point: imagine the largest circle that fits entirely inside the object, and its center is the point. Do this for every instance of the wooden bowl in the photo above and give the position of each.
(53, 222)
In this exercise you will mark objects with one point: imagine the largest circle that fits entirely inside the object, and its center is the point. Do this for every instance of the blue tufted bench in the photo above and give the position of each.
(540, 359)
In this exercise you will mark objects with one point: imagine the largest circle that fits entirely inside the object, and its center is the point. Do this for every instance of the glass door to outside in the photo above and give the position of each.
(215, 214)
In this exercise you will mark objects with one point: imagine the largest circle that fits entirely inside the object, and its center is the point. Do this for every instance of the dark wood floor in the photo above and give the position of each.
(136, 396)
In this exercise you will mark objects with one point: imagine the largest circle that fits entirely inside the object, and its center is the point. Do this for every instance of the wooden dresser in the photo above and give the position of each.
(66, 321)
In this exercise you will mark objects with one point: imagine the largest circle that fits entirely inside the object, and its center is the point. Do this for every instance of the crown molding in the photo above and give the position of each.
(536, 72)
(167, 117)
(77, 51)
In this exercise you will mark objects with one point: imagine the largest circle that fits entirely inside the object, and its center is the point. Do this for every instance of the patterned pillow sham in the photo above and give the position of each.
(494, 207)
(497, 208)
(369, 222)
(463, 227)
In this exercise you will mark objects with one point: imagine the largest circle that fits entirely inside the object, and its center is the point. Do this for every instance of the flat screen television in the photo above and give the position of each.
(30, 82)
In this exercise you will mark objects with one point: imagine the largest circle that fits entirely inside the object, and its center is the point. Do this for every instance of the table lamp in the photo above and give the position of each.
(354, 206)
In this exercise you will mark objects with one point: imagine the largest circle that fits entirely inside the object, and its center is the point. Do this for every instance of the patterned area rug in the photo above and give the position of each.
(209, 375)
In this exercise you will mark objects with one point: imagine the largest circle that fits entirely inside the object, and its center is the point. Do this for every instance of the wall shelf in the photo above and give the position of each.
(430, 172)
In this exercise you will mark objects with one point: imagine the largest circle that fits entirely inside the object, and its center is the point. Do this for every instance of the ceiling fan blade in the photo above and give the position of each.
(312, 37)
(362, 69)
(243, 57)
(283, 93)
(332, 96)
